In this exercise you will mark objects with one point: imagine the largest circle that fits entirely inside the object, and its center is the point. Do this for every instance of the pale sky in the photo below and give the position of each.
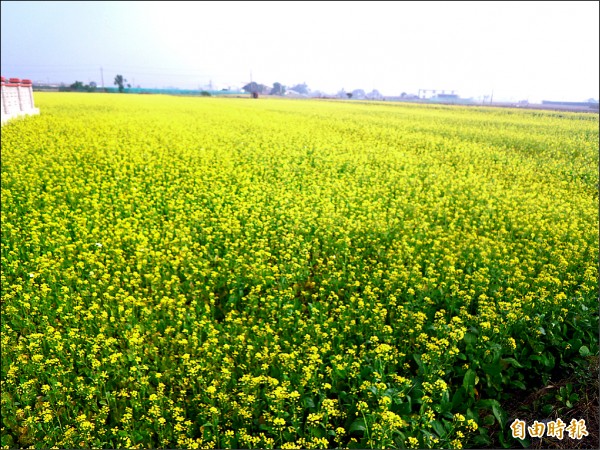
(517, 50)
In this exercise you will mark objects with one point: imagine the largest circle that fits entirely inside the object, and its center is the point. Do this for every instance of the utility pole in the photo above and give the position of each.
(102, 77)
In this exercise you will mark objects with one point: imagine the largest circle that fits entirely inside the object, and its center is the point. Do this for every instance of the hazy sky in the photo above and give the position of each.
(518, 50)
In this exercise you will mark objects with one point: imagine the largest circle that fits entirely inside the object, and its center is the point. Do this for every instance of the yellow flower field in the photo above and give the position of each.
(236, 273)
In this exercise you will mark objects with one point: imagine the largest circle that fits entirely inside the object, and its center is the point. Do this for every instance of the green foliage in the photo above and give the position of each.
(278, 89)
(120, 82)
(78, 85)
(301, 88)
(255, 88)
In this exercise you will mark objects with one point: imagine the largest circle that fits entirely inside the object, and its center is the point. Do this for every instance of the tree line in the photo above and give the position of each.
(277, 88)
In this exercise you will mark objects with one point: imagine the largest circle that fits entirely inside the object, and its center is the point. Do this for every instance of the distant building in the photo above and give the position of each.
(430, 93)
(45, 86)
(587, 104)
(293, 93)
(446, 96)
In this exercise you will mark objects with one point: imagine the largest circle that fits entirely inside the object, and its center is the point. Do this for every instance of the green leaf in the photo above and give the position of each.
(494, 405)
(137, 436)
(549, 360)
(470, 414)
(403, 408)
(506, 443)
(459, 397)
(439, 429)
(512, 361)
(418, 360)
(470, 338)
(481, 441)
(357, 425)
(492, 369)
(469, 381)
(518, 384)
(584, 351)
(445, 400)
(308, 402)
(499, 413)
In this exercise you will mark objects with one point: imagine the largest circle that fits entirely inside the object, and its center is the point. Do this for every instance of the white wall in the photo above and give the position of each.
(17, 99)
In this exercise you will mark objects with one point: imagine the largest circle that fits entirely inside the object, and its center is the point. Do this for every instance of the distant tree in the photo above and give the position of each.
(249, 87)
(349, 94)
(205, 93)
(255, 88)
(79, 86)
(358, 93)
(120, 81)
(374, 95)
(301, 89)
(278, 89)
